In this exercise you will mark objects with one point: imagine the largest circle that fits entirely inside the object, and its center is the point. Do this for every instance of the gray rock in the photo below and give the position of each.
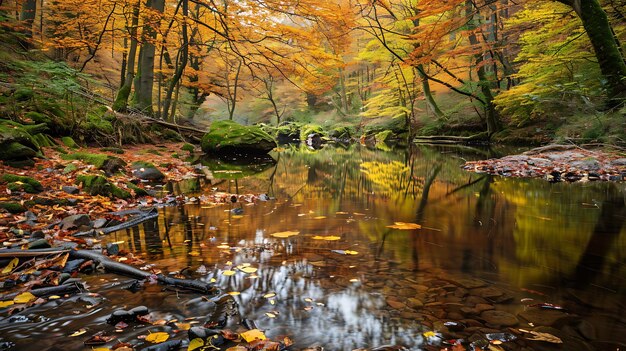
(72, 190)
(588, 165)
(75, 221)
(499, 318)
(539, 162)
(619, 162)
(99, 223)
(38, 244)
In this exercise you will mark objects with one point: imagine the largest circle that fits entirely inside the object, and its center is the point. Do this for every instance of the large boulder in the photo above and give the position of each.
(16, 142)
(229, 137)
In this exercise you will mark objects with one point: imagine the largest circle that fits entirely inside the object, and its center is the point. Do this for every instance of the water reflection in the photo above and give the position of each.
(485, 243)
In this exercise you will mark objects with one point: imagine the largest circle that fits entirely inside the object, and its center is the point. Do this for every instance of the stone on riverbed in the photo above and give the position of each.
(147, 171)
(499, 318)
(75, 221)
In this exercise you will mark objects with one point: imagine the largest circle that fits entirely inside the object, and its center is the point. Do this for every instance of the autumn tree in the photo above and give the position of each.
(606, 47)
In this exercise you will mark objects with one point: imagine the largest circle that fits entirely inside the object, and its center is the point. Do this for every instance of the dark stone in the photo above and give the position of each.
(73, 190)
(140, 311)
(38, 244)
(99, 223)
(113, 249)
(203, 333)
(74, 221)
(499, 318)
(120, 316)
(147, 172)
(37, 234)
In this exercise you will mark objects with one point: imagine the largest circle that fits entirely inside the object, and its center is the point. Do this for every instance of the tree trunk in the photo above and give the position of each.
(181, 63)
(605, 45)
(121, 100)
(491, 115)
(144, 81)
(431, 104)
(27, 16)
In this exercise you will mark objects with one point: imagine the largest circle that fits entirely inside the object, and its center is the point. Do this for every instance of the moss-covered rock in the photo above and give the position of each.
(69, 142)
(341, 133)
(188, 147)
(229, 136)
(288, 132)
(385, 136)
(13, 207)
(21, 183)
(44, 140)
(311, 129)
(113, 149)
(16, 143)
(106, 163)
(396, 125)
(99, 185)
(138, 191)
(38, 117)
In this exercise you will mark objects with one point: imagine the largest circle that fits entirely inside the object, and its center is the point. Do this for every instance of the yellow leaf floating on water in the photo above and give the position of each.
(223, 246)
(11, 266)
(228, 273)
(252, 335)
(183, 326)
(404, 226)
(285, 234)
(195, 344)
(194, 253)
(270, 315)
(236, 216)
(269, 295)
(79, 332)
(350, 252)
(158, 337)
(101, 349)
(234, 293)
(341, 213)
(319, 217)
(249, 269)
(24, 297)
(327, 237)
(4, 304)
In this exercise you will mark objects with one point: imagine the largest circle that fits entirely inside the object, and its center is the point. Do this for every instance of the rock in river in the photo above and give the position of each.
(499, 318)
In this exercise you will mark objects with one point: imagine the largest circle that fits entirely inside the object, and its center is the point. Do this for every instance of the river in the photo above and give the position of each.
(491, 255)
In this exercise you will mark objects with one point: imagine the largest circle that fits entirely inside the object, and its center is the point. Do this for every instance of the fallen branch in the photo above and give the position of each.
(144, 216)
(451, 139)
(64, 289)
(120, 268)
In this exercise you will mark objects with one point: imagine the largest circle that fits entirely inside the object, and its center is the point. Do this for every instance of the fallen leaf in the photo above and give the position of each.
(319, 217)
(270, 315)
(252, 335)
(249, 269)
(194, 253)
(79, 332)
(24, 297)
(429, 334)
(234, 293)
(195, 344)
(404, 226)
(285, 234)
(269, 295)
(11, 266)
(183, 326)
(4, 304)
(158, 337)
(539, 336)
(228, 273)
(327, 237)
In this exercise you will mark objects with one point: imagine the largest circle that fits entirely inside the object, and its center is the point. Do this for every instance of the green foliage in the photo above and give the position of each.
(69, 142)
(230, 136)
(557, 65)
(309, 129)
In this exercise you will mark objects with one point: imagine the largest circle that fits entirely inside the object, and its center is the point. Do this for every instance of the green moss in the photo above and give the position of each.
(99, 185)
(188, 147)
(43, 140)
(96, 121)
(38, 117)
(92, 159)
(69, 142)
(16, 151)
(12, 207)
(29, 183)
(23, 94)
(70, 168)
(142, 164)
(342, 132)
(309, 129)
(138, 191)
(115, 150)
(227, 136)
(154, 152)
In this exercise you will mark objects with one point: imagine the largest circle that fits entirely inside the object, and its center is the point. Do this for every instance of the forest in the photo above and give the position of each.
(529, 71)
(248, 175)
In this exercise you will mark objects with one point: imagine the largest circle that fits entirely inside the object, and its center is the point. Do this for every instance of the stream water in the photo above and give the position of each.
(492, 255)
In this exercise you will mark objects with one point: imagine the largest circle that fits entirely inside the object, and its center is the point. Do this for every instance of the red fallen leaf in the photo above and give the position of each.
(99, 339)
(266, 345)
(121, 325)
(230, 335)
(121, 344)
(85, 265)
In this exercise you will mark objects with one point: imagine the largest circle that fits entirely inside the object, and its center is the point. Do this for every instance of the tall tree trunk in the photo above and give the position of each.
(610, 59)
(144, 81)
(27, 16)
(181, 62)
(491, 115)
(431, 104)
(121, 100)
